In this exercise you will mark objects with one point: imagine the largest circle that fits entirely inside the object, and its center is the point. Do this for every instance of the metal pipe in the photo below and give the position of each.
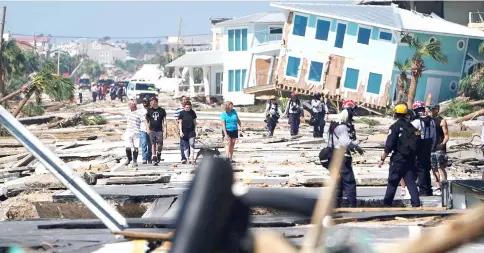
(113, 220)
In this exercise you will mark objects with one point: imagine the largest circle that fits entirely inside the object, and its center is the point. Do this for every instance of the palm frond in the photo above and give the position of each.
(481, 48)
(434, 50)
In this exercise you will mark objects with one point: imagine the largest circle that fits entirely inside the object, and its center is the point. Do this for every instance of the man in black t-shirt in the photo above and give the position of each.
(188, 123)
(155, 118)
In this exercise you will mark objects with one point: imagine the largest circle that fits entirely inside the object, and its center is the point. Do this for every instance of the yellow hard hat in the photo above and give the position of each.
(400, 108)
(272, 97)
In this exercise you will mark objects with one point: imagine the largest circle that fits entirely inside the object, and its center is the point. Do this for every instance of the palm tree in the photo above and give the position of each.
(402, 78)
(474, 81)
(45, 81)
(428, 48)
(13, 60)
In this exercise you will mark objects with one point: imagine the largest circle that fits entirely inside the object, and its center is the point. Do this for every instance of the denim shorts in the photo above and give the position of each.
(439, 159)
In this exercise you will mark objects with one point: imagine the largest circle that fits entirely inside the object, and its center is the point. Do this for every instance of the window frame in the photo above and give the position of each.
(358, 34)
(464, 44)
(329, 28)
(309, 71)
(357, 80)
(368, 83)
(241, 39)
(294, 24)
(385, 31)
(298, 68)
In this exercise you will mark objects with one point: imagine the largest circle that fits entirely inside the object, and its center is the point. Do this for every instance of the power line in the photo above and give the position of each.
(116, 38)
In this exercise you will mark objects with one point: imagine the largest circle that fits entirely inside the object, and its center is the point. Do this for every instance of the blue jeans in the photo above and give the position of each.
(182, 149)
(145, 145)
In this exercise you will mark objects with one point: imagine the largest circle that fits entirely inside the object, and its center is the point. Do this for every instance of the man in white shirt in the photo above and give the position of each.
(319, 109)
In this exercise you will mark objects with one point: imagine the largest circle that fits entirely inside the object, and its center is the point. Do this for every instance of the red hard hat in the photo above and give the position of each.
(349, 104)
(293, 94)
(418, 105)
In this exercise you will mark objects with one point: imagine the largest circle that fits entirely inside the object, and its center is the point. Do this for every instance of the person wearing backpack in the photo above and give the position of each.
(402, 141)
(319, 109)
(294, 111)
(273, 113)
(340, 136)
(426, 126)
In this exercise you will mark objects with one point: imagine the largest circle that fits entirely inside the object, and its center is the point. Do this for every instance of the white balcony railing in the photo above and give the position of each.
(264, 38)
(476, 20)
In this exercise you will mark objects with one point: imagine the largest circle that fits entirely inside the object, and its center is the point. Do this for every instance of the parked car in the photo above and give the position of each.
(137, 90)
(84, 83)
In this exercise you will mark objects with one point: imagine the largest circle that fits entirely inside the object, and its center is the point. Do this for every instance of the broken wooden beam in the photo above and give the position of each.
(139, 180)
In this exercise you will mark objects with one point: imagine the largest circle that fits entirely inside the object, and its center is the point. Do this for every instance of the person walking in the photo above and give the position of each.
(340, 135)
(154, 124)
(145, 142)
(94, 91)
(319, 108)
(99, 91)
(188, 125)
(184, 99)
(439, 149)
(426, 126)
(294, 112)
(402, 141)
(131, 136)
(230, 132)
(273, 112)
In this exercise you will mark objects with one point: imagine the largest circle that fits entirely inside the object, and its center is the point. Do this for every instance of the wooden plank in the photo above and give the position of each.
(387, 209)
(139, 180)
(144, 235)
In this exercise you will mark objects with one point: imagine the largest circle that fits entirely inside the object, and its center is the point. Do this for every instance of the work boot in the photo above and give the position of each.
(155, 161)
(135, 159)
(128, 156)
(158, 157)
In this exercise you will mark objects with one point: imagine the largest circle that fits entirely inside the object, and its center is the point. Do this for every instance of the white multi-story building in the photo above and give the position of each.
(243, 54)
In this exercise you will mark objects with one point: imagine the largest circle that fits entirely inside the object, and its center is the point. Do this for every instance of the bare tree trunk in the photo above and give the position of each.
(11, 95)
(411, 91)
(470, 116)
(22, 103)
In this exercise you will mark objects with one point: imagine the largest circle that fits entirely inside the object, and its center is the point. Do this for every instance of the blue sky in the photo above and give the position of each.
(121, 19)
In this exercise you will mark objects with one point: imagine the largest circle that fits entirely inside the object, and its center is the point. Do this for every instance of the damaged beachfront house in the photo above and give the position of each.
(349, 51)
(244, 54)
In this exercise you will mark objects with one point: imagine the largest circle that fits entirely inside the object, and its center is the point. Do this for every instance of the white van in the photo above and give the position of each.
(139, 89)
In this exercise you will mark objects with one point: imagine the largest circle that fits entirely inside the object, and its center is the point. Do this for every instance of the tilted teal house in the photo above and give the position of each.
(349, 51)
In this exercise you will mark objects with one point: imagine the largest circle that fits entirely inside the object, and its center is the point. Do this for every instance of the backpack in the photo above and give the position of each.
(408, 139)
(327, 152)
(425, 124)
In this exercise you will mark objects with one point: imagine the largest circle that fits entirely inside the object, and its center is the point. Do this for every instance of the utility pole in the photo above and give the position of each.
(179, 34)
(58, 62)
(2, 84)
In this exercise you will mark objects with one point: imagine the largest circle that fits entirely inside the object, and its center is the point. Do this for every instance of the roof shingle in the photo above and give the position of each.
(262, 17)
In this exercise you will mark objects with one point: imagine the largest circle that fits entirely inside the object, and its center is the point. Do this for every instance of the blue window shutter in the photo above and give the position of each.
(315, 71)
(386, 36)
(299, 26)
(231, 40)
(244, 39)
(231, 80)
(351, 79)
(322, 29)
(364, 36)
(340, 35)
(237, 80)
(237, 40)
(292, 68)
(374, 83)
(244, 72)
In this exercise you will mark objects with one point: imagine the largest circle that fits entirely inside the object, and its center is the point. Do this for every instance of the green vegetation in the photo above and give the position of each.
(367, 121)
(473, 84)
(458, 108)
(31, 110)
(90, 120)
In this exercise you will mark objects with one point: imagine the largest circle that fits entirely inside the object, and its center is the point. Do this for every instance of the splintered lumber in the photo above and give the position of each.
(462, 229)
(145, 235)
(13, 158)
(139, 180)
(324, 206)
(267, 242)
